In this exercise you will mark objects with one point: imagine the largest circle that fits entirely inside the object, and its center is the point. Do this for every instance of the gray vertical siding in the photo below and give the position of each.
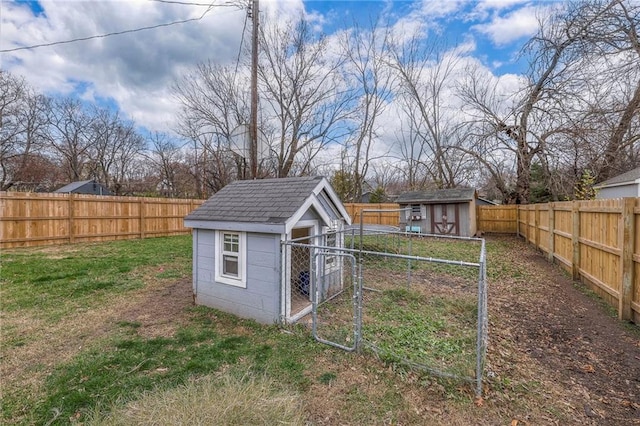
(260, 300)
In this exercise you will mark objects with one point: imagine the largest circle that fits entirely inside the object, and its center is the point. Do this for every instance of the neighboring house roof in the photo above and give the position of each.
(76, 186)
(265, 201)
(70, 187)
(437, 196)
(487, 201)
(632, 176)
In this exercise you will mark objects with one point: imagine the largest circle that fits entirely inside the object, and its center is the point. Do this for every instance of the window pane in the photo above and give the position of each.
(231, 243)
(230, 265)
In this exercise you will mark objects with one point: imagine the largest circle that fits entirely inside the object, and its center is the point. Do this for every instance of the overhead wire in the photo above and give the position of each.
(97, 36)
(244, 28)
(187, 3)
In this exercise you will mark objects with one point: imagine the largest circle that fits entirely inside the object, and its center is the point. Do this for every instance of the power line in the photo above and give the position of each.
(135, 30)
(227, 4)
(244, 27)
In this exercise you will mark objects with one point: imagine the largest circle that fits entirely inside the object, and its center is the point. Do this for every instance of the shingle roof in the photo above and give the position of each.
(437, 195)
(70, 187)
(78, 187)
(257, 201)
(629, 177)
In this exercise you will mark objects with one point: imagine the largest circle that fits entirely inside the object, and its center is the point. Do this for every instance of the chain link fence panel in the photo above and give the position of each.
(411, 299)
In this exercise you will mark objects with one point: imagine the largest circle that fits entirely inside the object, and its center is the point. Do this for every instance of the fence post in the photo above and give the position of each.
(628, 240)
(575, 240)
(71, 214)
(142, 223)
(517, 220)
(536, 224)
(552, 226)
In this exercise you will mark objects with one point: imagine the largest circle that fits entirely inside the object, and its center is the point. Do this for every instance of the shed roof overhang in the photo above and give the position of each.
(264, 228)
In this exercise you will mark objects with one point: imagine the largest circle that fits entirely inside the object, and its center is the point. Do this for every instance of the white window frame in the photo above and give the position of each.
(241, 279)
(331, 262)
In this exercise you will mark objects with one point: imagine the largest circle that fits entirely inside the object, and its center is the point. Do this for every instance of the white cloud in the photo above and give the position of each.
(439, 9)
(135, 70)
(487, 9)
(498, 4)
(515, 25)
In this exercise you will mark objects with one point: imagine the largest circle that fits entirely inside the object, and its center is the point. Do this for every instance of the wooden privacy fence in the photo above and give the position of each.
(597, 241)
(497, 219)
(34, 219)
(40, 219)
(381, 217)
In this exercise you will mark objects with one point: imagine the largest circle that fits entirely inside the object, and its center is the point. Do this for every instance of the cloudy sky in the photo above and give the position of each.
(134, 71)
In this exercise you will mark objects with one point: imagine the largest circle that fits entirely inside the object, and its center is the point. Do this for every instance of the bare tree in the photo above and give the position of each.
(425, 71)
(214, 104)
(69, 135)
(580, 108)
(530, 122)
(213, 164)
(608, 56)
(116, 145)
(303, 93)
(22, 119)
(411, 150)
(168, 161)
(372, 81)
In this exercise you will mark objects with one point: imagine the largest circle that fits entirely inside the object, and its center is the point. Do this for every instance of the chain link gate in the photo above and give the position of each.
(336, 300)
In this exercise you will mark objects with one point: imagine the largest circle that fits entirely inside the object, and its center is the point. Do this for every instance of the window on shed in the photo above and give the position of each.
(416, 209)
(330, 241)
(230, 262)
(230, 254)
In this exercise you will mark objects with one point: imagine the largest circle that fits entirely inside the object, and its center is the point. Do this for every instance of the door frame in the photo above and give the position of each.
(314, 231)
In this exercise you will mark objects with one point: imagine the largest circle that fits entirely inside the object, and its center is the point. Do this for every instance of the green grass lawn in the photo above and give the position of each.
(51, 285)
(57, 280)
(70, 352)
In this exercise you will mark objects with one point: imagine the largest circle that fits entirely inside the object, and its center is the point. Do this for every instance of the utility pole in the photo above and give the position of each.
(253, 125)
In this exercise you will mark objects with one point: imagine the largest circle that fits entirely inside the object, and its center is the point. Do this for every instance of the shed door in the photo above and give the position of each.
(445, 219)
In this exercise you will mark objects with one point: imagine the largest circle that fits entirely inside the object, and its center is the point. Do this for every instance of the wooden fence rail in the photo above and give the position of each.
(34, 219)
(597, 242)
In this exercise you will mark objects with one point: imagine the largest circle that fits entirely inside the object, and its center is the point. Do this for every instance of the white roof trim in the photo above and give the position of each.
(613, 185)
(324, 184)
(311, 201)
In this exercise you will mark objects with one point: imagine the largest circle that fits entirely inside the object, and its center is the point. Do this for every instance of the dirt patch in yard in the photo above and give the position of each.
(587, 363)
(160, 311)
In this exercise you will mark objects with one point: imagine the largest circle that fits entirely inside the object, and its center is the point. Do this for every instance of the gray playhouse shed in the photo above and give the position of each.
(624, 185)
(439, 211)
(239, 263)
(90, 187)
